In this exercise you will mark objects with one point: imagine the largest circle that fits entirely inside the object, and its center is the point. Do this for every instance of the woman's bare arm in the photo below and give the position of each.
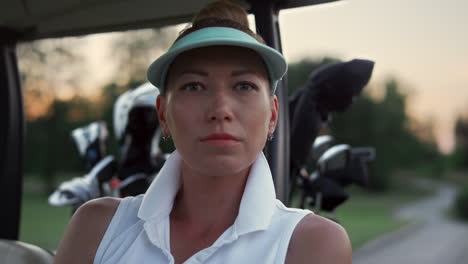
(85, 231)
(320, 241)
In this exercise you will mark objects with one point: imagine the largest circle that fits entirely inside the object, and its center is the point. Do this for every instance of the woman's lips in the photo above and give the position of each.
(221, 139)
(220, 136)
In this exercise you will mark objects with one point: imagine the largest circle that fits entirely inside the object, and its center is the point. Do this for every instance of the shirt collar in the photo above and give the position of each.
(259, 198)
(159, 198)
(257, 203)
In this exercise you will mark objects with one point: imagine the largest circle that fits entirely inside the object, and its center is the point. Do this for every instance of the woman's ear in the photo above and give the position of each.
(274, 115)
(161, 110)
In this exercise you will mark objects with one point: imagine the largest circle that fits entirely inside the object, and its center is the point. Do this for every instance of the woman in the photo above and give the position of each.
(214, 200)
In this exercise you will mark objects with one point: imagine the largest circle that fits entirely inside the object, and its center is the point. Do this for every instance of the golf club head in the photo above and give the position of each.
(90, 141)
(82, 189)
(364, 153)
(358, 169)
(335, 158)
(321, 144)
(75, 192)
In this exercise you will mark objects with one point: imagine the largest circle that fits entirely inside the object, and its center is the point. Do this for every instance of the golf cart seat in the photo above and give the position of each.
(17, 252)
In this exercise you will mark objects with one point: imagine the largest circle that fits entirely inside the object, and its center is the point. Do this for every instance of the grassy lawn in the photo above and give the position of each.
(366, 217)
(42, 224)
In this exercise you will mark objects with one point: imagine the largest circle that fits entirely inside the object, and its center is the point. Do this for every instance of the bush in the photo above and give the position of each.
(461, 203)
(456, 160)
(380, 177)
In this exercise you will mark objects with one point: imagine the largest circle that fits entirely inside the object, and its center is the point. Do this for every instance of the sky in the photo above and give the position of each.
(421, 43)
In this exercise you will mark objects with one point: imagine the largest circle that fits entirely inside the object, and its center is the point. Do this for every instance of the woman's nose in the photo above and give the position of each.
(220, 107)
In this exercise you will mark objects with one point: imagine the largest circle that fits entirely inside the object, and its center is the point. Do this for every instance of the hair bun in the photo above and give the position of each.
(224, 10)
(222, 13)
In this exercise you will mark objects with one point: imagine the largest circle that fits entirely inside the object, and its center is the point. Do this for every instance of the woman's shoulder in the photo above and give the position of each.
(85, 230)
(319, 239)
(100, 207)
(98, 211)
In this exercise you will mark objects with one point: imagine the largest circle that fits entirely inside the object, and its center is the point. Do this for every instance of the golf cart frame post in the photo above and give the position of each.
(11, 104)
(11, 137)
(266, 20)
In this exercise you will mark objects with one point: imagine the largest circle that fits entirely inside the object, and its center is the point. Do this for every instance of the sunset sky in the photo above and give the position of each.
(421, 43)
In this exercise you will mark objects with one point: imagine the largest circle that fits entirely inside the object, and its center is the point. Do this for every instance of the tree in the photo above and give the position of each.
(47, 69)
(51, 66)
(385, 125)
(135, 50)
(461, 144)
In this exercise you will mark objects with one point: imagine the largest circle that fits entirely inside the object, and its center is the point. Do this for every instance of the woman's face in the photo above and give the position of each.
(218, 109)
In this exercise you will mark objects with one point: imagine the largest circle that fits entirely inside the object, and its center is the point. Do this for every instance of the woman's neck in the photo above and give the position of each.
(208, 203)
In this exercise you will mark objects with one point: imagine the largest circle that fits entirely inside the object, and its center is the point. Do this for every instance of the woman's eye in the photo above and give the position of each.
(192, 87)
(245, 86)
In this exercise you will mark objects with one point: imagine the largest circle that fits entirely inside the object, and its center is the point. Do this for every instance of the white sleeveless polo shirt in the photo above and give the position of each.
(139, 230)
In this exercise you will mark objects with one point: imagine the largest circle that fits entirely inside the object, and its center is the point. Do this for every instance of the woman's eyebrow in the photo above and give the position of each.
(193, 71)
(205, 74)
(243, 72)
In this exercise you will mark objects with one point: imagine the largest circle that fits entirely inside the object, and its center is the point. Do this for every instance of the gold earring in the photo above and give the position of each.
(270, 137)
(166, 136)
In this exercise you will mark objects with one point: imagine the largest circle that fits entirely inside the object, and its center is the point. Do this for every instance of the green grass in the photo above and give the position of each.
(42, 224)
(366, 217)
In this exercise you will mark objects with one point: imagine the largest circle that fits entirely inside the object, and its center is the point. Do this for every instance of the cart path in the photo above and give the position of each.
(431, 239)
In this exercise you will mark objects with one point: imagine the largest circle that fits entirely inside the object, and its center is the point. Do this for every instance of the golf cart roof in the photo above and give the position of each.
(30, 20)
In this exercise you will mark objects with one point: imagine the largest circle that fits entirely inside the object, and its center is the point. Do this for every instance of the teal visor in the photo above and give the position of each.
(217, 36)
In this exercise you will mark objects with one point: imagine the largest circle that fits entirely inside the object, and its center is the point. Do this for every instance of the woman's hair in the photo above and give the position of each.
(222, 13)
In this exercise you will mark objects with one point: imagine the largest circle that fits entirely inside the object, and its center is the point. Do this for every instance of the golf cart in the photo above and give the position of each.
(22, 21)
